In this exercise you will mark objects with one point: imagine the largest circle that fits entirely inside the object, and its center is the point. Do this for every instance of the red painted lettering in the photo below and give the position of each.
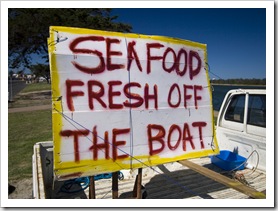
(132, 54)
(175, 135)
(187, 137)
(179, 72)
(170, 96)
(95, 94)
(200, 125)
(112, 94)
(75, 134)
(197, 97)
(179, 62)
(110, 53)
(90, 70)
(96, 146)
(148, 96)
(170, 69)
(150, 57)
(157, 138)
(194, 72)
(186, 96)
(132, 96)
(117, 143)
(171, 130)
(70, 94)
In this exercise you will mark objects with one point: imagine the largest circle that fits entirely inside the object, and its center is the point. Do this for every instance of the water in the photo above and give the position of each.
(220, 91)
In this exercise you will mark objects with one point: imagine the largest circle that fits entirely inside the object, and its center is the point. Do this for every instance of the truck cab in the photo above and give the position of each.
(241, 125)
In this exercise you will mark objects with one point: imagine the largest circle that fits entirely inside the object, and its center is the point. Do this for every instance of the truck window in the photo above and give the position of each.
(235, 110)
(257, 110)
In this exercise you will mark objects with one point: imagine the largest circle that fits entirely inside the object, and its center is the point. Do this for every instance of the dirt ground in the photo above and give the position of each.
(21, 189)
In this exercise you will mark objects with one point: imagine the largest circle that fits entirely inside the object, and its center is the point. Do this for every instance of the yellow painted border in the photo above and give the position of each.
(89, 167)
(56, 117)
(215, 143)
(83, 31)
(85, 166)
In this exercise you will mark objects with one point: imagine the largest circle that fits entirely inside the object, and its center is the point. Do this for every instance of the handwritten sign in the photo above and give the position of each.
(125, 101)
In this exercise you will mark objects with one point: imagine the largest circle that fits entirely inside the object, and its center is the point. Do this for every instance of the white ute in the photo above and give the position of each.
(241, 125)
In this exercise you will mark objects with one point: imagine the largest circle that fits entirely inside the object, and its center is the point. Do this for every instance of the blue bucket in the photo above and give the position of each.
(228, 160)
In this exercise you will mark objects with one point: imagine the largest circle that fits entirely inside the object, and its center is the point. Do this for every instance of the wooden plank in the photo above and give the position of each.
(224, 180)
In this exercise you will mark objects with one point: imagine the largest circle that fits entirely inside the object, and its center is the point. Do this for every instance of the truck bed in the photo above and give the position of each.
(167, 181)
(182, 183)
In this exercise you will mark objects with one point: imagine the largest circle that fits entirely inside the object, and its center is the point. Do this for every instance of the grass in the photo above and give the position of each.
(25, 129)
(36, 87)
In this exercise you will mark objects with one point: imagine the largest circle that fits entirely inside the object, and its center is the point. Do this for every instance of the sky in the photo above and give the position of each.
(235, 37)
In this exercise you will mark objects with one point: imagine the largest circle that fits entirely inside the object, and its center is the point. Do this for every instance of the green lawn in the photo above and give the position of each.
(25, 129)
(36, 87)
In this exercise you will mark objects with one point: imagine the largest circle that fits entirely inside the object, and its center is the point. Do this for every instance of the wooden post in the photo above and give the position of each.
(115, 185)
(137, 185)
(92, 188)
(134, 192)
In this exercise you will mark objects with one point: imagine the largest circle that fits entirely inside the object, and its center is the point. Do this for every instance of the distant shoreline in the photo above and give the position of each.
(235, 84)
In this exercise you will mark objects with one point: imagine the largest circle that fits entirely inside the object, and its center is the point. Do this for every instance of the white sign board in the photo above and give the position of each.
(124, 101)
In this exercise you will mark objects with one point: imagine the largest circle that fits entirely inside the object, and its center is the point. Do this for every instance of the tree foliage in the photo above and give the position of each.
(29, 29)
(241, 81)
(41, 70)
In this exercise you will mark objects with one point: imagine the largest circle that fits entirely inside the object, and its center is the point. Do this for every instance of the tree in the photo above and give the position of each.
(41, 70)
(29, 29)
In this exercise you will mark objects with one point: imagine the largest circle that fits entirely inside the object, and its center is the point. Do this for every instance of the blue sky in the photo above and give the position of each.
(235, 38)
